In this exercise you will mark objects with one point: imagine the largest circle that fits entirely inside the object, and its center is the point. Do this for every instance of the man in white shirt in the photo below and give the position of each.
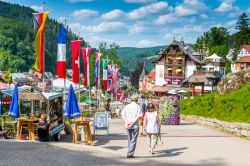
(131, 115)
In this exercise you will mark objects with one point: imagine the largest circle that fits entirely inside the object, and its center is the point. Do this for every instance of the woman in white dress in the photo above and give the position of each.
(151, 126)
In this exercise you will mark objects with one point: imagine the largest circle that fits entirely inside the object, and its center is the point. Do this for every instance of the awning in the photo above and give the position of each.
(159, 89)
(178, 70)
(179, 58)
(168, 69)
(197, 91)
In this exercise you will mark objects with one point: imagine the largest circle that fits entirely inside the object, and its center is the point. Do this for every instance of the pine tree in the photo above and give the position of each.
(243, 34)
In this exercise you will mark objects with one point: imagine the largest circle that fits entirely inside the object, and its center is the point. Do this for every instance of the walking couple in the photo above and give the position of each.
(151, 125)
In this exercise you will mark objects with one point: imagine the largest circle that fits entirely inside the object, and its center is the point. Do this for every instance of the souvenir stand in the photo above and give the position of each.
(50, 104)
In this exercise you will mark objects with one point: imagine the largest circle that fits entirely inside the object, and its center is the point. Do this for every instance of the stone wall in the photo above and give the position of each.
(233, 81)
(239, 129)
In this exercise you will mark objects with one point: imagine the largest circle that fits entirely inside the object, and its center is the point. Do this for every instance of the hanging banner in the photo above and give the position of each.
(61, 53)
(85, 54)
(75, 45)
(39, 23)
(159, 75)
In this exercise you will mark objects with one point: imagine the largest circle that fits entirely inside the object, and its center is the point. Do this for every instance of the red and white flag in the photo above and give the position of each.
(61, 53)
(75, 45)
(114, 79)
(85, 54)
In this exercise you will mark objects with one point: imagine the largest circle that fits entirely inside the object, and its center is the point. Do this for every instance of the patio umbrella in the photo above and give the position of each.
(14, 108)
(182, 91)
(173, 92)
(71, 109)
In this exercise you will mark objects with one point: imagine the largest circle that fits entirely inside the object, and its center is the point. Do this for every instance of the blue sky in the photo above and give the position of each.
(142, 23)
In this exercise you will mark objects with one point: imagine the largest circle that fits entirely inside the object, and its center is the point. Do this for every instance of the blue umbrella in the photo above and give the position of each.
(14, 108)
(1, 104)
(72, 109)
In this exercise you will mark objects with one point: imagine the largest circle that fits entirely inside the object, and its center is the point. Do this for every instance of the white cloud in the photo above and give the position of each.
(153, 8)
(140, 1)
(145, 43)
(189, 7)
(165, 19)
(74, 1)
(188, 29)
(113, 15)
(61, 19)
(226, 6)
(84, 13)
(231, 23)
(204, 16)
(185, 11)
(137, 29)
(37, 8)
(104, 27)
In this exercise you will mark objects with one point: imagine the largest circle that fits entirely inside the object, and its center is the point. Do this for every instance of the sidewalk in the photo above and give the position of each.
(185, 143)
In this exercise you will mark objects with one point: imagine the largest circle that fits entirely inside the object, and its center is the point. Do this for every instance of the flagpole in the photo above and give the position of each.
(64, 89)
(89, 75)
(107, 79)
(44, 56)
(79, 72)
(99, 95)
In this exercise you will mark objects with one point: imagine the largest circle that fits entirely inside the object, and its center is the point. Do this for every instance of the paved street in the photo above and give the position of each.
(184, 145)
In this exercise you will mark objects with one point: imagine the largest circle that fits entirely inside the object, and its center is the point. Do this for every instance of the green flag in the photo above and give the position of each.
(105, 63)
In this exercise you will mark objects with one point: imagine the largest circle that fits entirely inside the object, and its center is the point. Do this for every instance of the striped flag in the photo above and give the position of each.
(85, 54)
(105, 74)
(110, 76)
(75, 45)
(97, 69)
(109, 85)
(114, 79)
(61, 53)
(39, 21)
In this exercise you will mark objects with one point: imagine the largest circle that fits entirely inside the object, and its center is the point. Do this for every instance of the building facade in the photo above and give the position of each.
(176, 63)
(243, 59)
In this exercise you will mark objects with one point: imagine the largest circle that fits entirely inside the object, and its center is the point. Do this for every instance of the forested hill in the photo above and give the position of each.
(17, 39)
(129, 57)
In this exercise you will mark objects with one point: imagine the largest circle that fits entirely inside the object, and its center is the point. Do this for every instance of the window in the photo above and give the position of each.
(242, 66)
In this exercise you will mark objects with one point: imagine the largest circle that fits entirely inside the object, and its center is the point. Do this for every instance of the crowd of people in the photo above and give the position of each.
(145, 115)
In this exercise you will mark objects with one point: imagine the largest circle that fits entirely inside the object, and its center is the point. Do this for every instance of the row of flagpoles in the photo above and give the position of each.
(110, 71)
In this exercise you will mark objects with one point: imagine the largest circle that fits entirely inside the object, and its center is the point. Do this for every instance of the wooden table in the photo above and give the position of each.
(83, 121)
(30, 123)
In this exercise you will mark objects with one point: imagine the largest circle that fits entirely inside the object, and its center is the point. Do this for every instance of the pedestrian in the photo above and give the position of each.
(151, 126)
(43, 129)
(144, 110)
(131, 115)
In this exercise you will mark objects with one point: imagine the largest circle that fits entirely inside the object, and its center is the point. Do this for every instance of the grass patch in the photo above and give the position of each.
(231, 107)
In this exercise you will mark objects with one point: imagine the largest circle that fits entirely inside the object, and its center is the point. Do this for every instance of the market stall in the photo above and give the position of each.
(50, 104)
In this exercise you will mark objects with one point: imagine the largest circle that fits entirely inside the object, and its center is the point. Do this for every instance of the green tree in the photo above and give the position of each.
(220, 50)
(243, 34)
(7, 78)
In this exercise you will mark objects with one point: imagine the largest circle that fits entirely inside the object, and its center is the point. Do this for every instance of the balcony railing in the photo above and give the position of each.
(174, 63)
(202, 72)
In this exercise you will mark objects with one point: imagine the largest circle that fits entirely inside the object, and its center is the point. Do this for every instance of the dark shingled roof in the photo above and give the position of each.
(185, 50)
